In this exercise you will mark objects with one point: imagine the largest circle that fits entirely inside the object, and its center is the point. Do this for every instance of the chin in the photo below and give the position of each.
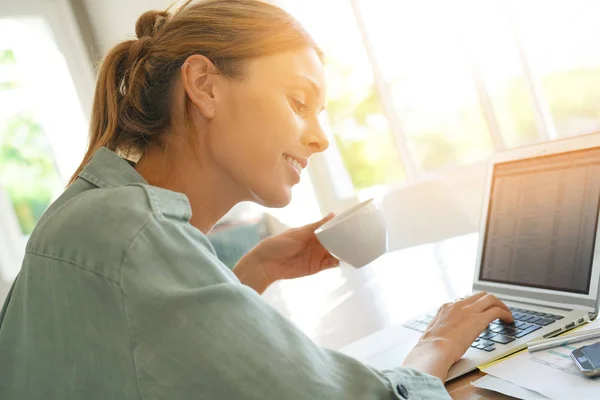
(278, 199)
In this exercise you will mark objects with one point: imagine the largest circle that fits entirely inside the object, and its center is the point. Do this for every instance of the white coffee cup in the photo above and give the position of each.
(357, 236)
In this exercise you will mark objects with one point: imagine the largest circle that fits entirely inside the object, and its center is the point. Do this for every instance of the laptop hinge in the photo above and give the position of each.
(528, 300)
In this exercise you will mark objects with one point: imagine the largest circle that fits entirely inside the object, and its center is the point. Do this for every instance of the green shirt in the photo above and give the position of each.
(120, 297)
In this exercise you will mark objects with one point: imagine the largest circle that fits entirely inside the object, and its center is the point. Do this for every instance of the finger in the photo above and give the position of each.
(320, 222)
(310, 228)
(471, 299)
(330, 262)
(486, 302)
(494, 313)
(307, 231)
(479, 322)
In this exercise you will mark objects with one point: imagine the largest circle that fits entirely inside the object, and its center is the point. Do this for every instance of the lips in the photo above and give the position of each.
(297, 164)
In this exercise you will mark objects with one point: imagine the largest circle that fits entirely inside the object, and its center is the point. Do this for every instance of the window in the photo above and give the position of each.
(561, 40)
(498, 67)
(27, 167)
(356, 117)
(424, 65)
(45, 85)
(423, 86)
(35, 119)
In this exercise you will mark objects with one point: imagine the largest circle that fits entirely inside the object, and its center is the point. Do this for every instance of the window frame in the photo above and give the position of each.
(62, 22)
(544, 121)
(60, 18)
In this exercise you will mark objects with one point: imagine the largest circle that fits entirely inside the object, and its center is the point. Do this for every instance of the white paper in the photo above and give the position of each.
(510, 389)
(550, 372)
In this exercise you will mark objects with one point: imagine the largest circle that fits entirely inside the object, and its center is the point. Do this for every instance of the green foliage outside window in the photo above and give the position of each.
(369, 152)
(27, 170)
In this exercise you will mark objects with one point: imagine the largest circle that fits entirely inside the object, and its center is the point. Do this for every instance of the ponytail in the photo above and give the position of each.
(107, 98)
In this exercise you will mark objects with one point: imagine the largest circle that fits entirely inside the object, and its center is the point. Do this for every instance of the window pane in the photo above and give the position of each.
(423, 60)
(37, 116)
(491, 41)
(356, 118)
(561, 39)
(27, 171)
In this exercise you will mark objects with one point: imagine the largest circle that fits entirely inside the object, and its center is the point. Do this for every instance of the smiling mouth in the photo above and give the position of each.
(295, 164)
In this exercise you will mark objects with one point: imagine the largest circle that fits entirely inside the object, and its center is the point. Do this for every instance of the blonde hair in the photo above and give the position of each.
(133, 90)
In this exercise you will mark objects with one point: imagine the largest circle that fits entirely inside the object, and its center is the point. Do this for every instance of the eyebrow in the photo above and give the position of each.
(313, 85)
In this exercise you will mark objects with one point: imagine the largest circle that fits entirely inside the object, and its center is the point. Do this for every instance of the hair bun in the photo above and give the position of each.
(150, 22)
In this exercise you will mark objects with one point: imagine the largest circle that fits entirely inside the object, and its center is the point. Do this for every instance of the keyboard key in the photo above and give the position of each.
(539, 314)
(532, 328)
(545, 321)
(503, 331)
(557, 317)
(490, 348)
(521, 317)
(417, 326)
(533, 319)
(519, 324)
(480, 344)
(502, 339)
(510, 331)
(525, 325)
(496, 328)
(425, 318)
(488, 335)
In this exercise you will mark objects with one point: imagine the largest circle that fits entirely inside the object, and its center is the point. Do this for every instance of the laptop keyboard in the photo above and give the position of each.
(526, 322)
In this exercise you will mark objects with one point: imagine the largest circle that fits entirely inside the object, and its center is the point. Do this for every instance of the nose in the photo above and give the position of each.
(315, 139)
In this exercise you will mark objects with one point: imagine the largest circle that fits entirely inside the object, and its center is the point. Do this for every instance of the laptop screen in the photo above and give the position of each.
(542, 220)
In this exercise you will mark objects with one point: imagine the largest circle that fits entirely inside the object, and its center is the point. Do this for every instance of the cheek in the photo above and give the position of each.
(273, 116)
(249, 136)
(261, 127)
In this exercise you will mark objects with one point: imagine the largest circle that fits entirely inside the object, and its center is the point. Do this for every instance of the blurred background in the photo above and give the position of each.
(420, 93)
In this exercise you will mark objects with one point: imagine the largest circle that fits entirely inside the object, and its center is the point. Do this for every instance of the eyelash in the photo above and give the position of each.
(300, 107)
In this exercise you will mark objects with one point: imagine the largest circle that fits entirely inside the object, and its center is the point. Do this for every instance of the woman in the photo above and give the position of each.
(121, 296)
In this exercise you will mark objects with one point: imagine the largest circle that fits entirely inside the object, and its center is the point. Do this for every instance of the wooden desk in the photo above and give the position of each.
(340, 306)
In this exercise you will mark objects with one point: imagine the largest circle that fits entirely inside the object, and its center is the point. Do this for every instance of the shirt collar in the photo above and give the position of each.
(107, 170)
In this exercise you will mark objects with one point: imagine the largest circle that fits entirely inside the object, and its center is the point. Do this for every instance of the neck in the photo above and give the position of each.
(211, 195)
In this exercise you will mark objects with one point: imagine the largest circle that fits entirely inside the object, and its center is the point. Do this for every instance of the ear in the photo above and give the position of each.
(198, 76)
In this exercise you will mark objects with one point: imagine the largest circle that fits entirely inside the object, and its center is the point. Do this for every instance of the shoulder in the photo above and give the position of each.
(94, 228)
(172, 254)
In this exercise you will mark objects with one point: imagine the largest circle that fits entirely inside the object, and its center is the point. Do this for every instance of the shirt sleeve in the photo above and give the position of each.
(197, 333)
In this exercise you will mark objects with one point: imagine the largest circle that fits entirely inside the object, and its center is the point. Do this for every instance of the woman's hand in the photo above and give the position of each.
(452, 331)
(294, 253)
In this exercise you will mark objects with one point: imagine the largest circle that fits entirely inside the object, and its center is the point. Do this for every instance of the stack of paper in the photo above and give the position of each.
(550, 372)
(498, 385)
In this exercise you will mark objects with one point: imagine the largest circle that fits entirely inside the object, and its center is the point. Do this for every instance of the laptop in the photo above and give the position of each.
(538, 252)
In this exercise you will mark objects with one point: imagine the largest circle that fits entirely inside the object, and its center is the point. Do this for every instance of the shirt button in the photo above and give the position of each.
(402, 391)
